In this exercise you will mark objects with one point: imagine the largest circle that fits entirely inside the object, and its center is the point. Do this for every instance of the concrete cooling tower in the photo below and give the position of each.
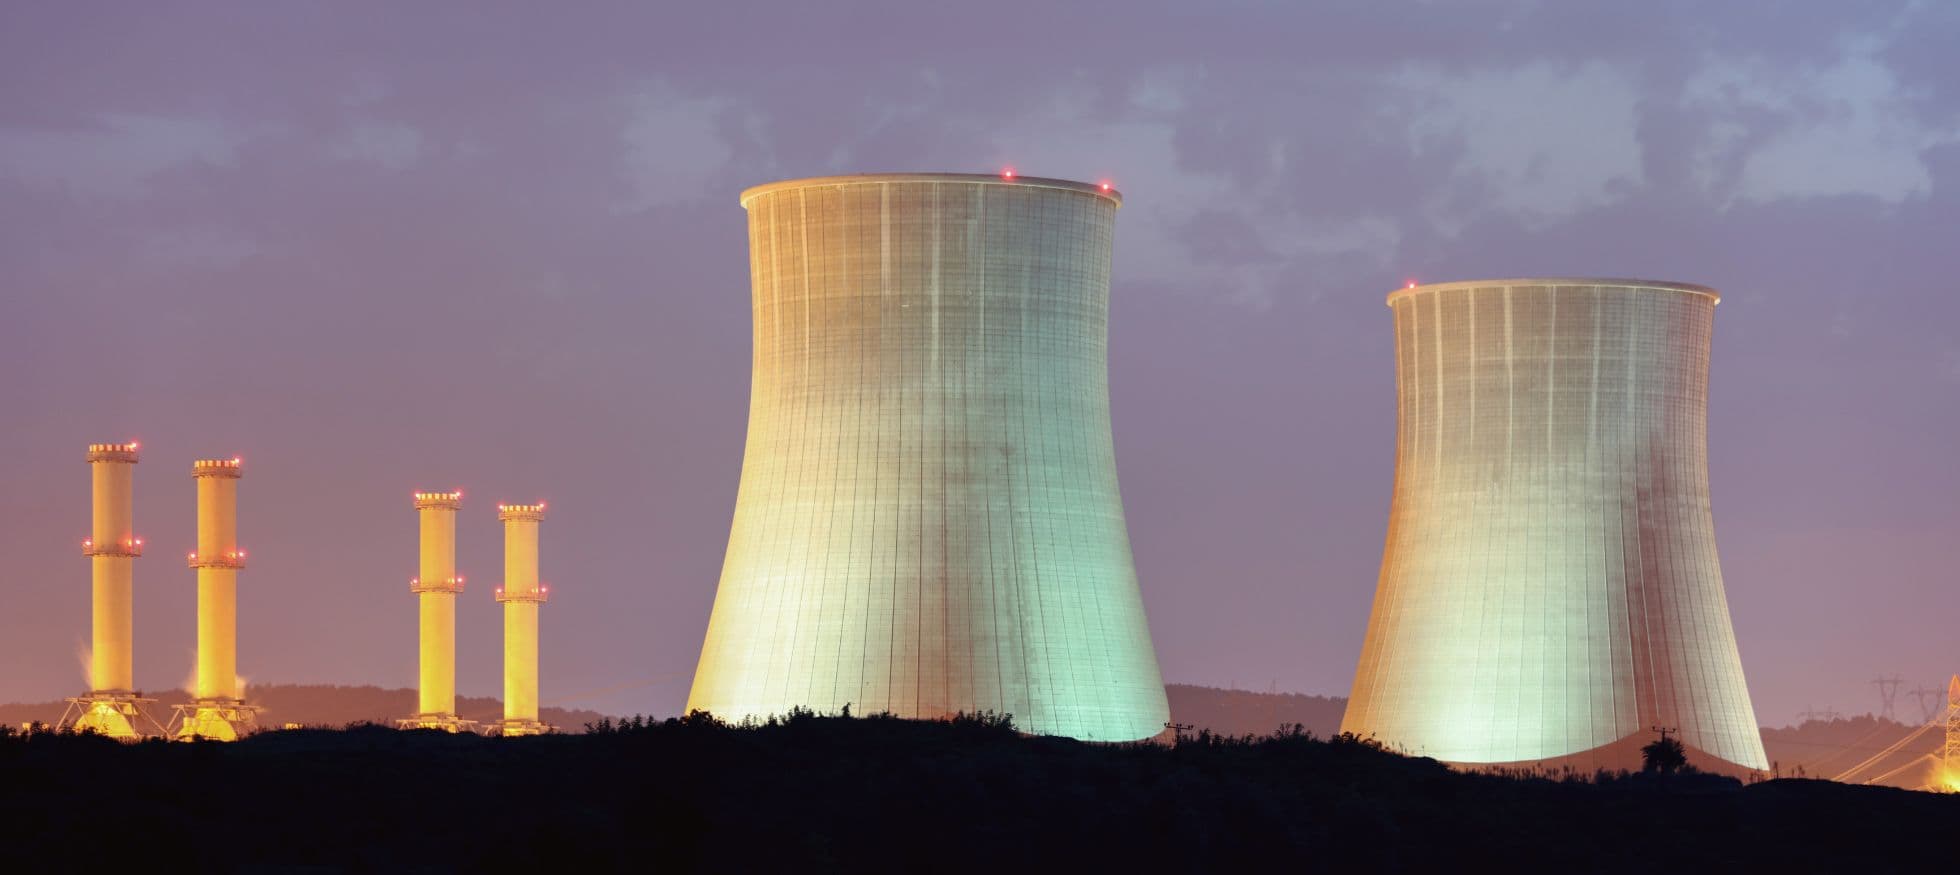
(1549, 591)
(928, 520)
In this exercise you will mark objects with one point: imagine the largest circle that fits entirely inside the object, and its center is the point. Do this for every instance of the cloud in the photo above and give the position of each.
(677, 147)
(391, 145)
(1849, 128)
(1540, 142)
(118, 154)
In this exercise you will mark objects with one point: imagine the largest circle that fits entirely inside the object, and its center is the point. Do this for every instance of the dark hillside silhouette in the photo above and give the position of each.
(831, 794)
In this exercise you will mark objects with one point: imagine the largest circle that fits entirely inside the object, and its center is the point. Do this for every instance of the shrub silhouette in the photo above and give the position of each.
(1665, 755)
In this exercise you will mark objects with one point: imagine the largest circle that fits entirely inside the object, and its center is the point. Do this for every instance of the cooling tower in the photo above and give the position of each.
(1549, 590)
(928, 520)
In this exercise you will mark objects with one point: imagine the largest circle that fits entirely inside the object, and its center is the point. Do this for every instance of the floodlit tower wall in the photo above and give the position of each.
(215, 712)
(521, 596)
(1550, 591)
(218, 561)
(928, 520)
(436, 591)
(112, 549)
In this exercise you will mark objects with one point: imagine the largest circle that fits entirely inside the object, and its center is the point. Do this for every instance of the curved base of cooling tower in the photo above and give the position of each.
(1619, 756)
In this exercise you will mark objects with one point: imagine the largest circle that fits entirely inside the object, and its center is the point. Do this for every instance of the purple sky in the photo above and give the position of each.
(387, 247)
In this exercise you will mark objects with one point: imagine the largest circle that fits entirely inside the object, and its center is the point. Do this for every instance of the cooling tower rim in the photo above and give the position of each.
(1088, 188)
(1650, 285)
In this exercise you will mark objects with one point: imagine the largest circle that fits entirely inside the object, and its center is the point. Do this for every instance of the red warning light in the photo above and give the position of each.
(1411, 285)
(1105, 185)
(1007, 173)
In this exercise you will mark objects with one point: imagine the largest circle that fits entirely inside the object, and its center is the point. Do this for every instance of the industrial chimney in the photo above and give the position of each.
(436, 591)
(111, 706)
(1550, 592)
(928, 520)
(521, 595)
(215, 711)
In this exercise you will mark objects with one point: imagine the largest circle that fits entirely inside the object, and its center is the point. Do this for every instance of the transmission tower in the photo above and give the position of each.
(1888, 693)
(1828, 715)
(1952, 752)
(1929, 701)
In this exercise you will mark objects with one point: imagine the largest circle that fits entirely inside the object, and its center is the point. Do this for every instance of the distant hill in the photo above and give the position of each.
(320, 705)
(1829, 748)
(1245, 712)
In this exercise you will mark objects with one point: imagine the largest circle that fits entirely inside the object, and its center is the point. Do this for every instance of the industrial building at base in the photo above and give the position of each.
(1550, 592)
(928, 520)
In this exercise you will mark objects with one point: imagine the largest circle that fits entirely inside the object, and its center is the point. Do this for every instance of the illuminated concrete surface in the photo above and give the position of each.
(928, 520)
(112, 547)
(435, 592)
(1550, 590)
(215, 711)
(521, 595)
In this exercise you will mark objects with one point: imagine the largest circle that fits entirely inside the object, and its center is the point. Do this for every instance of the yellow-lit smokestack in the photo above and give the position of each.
(111, 706)
(436, 590)
(521, 595)
(215, 711)
(217, 561)
(112, 548)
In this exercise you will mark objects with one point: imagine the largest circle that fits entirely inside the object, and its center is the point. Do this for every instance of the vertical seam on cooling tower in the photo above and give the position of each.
(1096, 358)
(806, 515)
(878, 495)
(1032, 579)
(982, 290)
(772, 581)
(937, 384)
(1550, 468)
(1504, 598)
(1595, 464)
(833, 428)
(1636, 573)
(928, 383)
(854, 297)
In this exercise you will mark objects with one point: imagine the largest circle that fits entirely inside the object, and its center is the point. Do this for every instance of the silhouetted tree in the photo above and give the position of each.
(1665, 755)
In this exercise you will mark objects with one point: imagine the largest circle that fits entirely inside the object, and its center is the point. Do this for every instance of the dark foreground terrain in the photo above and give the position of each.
(815, 794)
